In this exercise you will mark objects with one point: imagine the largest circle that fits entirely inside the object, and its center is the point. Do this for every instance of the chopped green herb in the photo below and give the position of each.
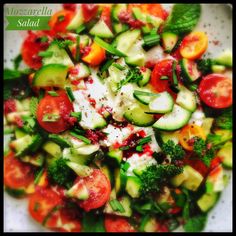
(151, 40)
(43, 39)
(79, 131)
(51, 117)
(80, 137)
(53, 93)
(106, 65)
(38, 176)
(174, 76)
(116, 206)
(125, 166)
(139, 148)
(36, 206)
(77, 115)
(45, 53)
(70, 94)
(61, 18)
(80, 29)
(145, 140)
(17, 60)
(77, 54)
(123, 148)
(118, 66)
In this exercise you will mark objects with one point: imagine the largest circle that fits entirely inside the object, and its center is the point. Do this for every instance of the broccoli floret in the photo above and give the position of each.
(60, 173)
(200, 147)
(225, 120)
(204, 65)
(175, 151)
(155, 176)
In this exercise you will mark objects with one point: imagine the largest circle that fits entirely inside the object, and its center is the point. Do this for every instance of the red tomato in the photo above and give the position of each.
(162, 68)
(16, 173)
(106, 16)
(89, 11)
(69, 6)
(41, 203)
(99, 188)
(216, 91)
(31, 46)
(60, 106)
(9, 106)
(65, 220)
(117, 224)
(60, 20)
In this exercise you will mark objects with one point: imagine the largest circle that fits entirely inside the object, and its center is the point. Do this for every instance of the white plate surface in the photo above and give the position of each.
(216, 21)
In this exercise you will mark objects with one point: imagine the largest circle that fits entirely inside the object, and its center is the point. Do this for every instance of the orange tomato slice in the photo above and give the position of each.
(95, 56)
(187, 133)
(194, 45)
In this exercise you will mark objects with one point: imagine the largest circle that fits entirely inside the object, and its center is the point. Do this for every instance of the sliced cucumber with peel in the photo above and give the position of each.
(59, 56)
(52, 75)
(169, 40)
(186, 99)
(146, 73)
(174, 120)
(136, 115)
(116, 10)
(76, 21)
(143, 97)
(101, 30)
(161, 103)
(189, 70)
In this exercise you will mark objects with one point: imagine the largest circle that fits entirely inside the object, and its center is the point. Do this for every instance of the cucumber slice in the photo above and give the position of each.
(162, 103)
(218, 68)
(146, 73)
(155, 21)
(174, 120)
(215, 180)
(169, 40)
(84, 71)
(77, 21)
(52, 75)
(186, 99)
(207, 201)
(116, 10)
(36, 160)
(19, 133)
(137, 60)
(137, 116)
(226, 155)
(125, 40)
(80, 170)
(133, 186)
(189, 70)
(193, 180)
(177, 180)
(79, 191)
(101, 29)
(143, 97)
(149, 224)
(207, 124)
(225, 59)
(53, 149)
(59, 56)
(114, 157)
(119, 28)
(107, 171)
(60, 140)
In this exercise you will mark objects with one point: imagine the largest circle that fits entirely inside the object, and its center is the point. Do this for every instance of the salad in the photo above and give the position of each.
(119, 122)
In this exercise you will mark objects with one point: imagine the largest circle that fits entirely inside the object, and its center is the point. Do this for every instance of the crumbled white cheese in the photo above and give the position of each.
(136, 161)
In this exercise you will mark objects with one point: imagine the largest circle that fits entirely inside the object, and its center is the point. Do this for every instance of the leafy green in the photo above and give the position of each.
(205, 65)
(154, 176)
(175, 151)
(225, 121)
(196, 223)
(60, 173)
(183, 18)
(92, 223)
(63, 43)
(9, 74)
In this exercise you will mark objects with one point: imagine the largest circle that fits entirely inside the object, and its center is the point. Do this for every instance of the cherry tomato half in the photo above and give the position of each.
(162, 68)
(16, 173)
(42, 201)
(216, 91)
(117, 224)
(89, 11)
(187, 133)
(60, 20)
(99, 188)
(194, 45)
(31, 46)
(65, 219)
(59, 106)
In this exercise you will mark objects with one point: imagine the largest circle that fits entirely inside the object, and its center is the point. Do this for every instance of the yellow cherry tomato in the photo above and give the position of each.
(194, 45)
(187, 133)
